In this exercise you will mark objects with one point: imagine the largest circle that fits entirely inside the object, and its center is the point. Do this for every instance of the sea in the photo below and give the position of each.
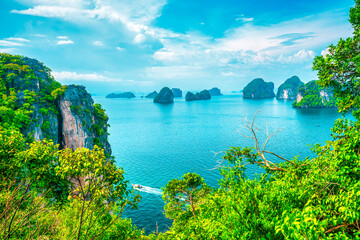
(155, 143)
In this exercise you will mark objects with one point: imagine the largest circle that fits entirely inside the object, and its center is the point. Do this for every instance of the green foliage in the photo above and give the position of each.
(258, 89)
(16, 100)
(182, 195)
(340, 68)
(312, 97)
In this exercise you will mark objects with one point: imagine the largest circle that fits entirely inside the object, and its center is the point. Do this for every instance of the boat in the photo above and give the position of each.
(138, 186)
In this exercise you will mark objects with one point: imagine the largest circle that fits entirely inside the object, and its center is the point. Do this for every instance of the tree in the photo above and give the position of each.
(180, 193)
(99, 194)
(340, 67)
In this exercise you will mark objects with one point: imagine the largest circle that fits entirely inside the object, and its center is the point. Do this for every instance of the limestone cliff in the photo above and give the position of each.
(289, 89)
(83, 124)
(32, 101)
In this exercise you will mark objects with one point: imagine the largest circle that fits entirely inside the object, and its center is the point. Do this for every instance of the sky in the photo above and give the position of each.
(144, 45)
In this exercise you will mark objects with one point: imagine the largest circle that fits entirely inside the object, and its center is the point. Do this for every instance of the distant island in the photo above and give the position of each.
(152, 94)
(165, 96)
(311, 95)
(177, 92)
(203, 95)
(215, 92)
(121, 95)
(289, 89)
(259, 89)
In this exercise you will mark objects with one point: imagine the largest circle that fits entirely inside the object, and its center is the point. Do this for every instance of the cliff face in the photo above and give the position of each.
(311, 95)
(259, 89)
(289, 89)
(32, 101)
(80, 125)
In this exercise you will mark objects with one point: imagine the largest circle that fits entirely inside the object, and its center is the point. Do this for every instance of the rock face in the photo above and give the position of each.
(66, 115)
(165, 96)
(152, 94)
(311, 95)
(121, 95)
(289, 89)
(215, 92)
(83, 123)
(177, 92)
(259, 89)
(203, 95)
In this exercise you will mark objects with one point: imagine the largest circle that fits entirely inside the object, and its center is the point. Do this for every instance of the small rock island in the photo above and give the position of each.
(289, 89)
(121, 95)
(152, 94)
(215, 92)
(177, 92)
(203, 95)
(259, 89)
(165, 96)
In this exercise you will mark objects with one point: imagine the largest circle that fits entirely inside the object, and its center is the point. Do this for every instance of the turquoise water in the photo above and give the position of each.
(156, 143)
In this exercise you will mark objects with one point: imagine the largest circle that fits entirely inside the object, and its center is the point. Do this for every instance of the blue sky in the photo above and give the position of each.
(143, 45)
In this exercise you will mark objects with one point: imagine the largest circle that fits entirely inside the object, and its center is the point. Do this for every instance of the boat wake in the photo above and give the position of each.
(151, 190)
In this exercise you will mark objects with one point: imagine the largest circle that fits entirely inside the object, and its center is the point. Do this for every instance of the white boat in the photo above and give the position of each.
(138, 186)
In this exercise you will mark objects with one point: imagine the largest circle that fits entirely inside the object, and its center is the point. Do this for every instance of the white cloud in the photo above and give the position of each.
(7, 50)
(62, 37)
(139, 38)
(175, 72)
(5, 43)
(98, 43)
(95, 77)
(301, 56)
(17, 39)
(64, 42)
(325, 52)
(39, 35)
(244, 19)
(120, 49)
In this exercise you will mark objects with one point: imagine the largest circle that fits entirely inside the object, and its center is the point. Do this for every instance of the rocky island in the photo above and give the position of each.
(289, 89)
(311, 95)
(177, 92)
(203, 95)
(165, 96)
(121, 95)
(152, 94)
(259, 89)
(215, 92)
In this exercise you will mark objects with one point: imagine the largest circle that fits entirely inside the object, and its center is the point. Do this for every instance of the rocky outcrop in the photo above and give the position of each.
(259, 89)
(82, 123)
(190, 97)
(121, 95)
(311, 95)
(203, 95)
(66, 115)
(152, 94)
(177, 92)
(215, 92)
(165, 96)
(289, 89)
